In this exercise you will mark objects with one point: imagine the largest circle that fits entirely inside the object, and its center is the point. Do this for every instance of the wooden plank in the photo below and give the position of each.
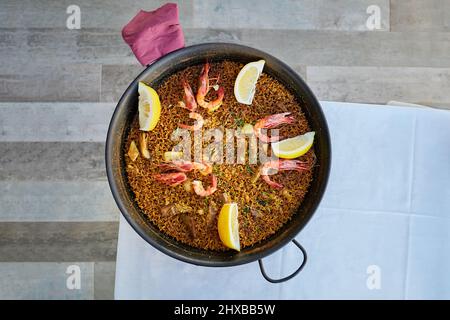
(51, 82)
(333, 48)
(295, 47)
(200, 35)
(35, 201)
(104, 279)
(116, 79)
(301, 70)
(420, 15)
(54, 121)
(58, 241)
(54, 46)
(94, 13)
(45, 280)
(381, 84)
(285, 14)
(54, 161)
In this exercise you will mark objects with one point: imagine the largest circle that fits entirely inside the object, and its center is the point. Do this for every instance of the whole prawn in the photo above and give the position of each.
(203, 89)
(189, 99)
(198, 123)
(199, 190)
(269, 122)
(283, 165)
(171, 179)
(186, 166)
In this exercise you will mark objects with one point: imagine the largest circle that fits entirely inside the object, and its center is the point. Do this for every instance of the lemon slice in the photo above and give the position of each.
(149, 107)
(244, 87)
(228, 226)
(293, 147)
(172, 155)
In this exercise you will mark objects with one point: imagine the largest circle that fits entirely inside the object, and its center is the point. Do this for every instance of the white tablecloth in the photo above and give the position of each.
(382, 229)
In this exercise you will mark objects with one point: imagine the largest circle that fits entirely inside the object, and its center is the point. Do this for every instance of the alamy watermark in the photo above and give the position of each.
(374, 20)
(73, 281)
(373, 281)
(220, 145)
(74, 19)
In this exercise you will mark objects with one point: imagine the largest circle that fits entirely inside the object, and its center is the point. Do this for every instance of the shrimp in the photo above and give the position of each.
(215, 104)
(189, 99)
(203, 85)
(176, 165)
(198, 123)
(186, 166)
(283, 165)
(269, 122)
(203, 89)
(171, 179)
(204, 168)
(199, 190)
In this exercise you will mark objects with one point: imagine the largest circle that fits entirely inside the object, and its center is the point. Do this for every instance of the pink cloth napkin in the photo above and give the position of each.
(153, 34)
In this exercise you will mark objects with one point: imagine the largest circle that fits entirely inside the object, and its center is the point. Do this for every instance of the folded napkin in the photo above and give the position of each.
(152, 34)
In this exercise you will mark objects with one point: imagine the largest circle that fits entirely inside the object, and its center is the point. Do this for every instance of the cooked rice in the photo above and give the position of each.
(262, 210)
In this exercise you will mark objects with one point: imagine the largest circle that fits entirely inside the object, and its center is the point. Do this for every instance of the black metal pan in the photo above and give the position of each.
(126, 110)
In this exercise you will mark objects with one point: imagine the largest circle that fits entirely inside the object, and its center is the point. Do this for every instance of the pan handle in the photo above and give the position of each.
(264, 274)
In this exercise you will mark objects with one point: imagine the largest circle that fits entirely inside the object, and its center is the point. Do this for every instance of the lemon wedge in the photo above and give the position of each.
(244, 87)
(293, 147)
(172, 155)
(228, 226)
(149, 107)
